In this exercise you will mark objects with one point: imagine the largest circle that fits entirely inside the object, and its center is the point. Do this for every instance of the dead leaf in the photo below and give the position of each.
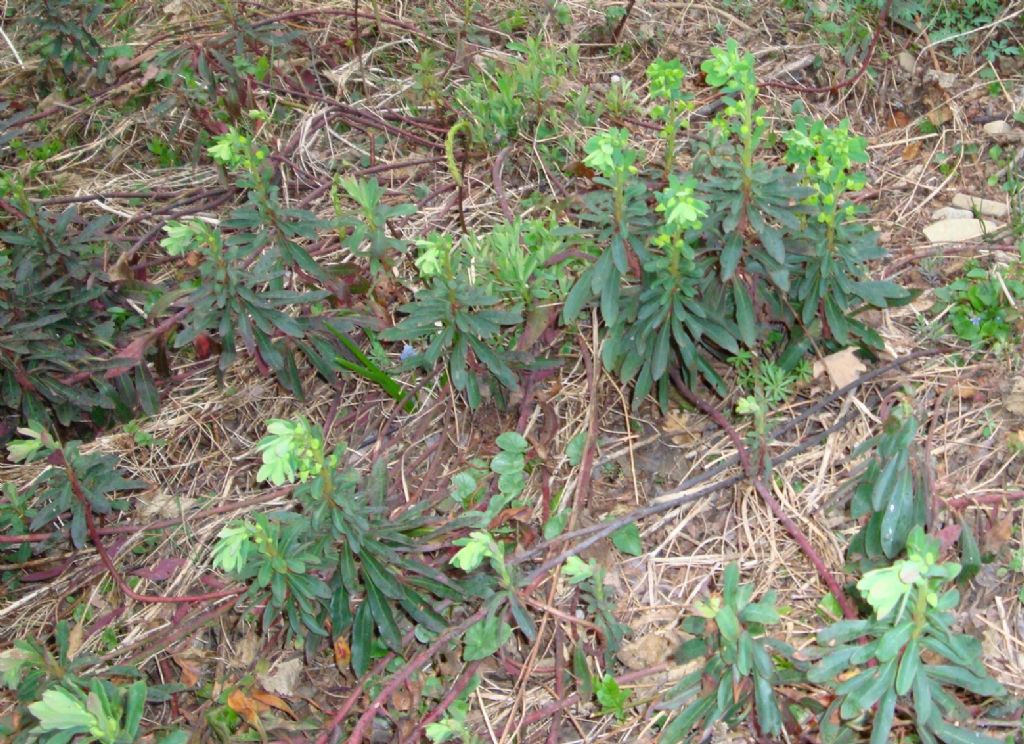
(283, 677)
(272, 701)
(342, 654)
(1013, 401)
(402, 699)
(912, 150)
(191, 670)
(75, 638)
(245, 707)
(842, 368)
(898, 120)
(157, 505)
(245, 651)
(939, 115)
(1000, 530)
(965, 391)
(162, 570)
(649, 650)
(680, 429)
(947, 536)
(121, 271)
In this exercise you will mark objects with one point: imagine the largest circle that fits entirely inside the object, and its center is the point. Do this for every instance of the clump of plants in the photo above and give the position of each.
(905, 655)
(342, 543)
(984, 306)
(734, 250)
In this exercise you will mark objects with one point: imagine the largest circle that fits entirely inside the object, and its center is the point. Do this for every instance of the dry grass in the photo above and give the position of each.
(197, 454)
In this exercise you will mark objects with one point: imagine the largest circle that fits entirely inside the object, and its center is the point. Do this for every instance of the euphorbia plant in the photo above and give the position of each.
(665, 81)
(912, 655)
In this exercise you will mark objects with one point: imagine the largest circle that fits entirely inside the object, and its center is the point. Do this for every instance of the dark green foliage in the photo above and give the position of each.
(58, 315)
(241, 294)
(890, 493)
(51, 495)
(515, 98)
(342, 546)
(55, 686)
(741, 666)
(66, 37)
(744, 248)
(458, 321)
(917, 655)
(365, 233)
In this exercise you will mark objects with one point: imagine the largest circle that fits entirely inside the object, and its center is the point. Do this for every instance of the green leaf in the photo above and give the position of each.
(881, 681)
(730, 256)
(951, 734)
(175, 737)
(476, 547)
(485, 637)
(584, 679)
(522, 617)
(627, 539)
(362, 639)
(893, 640)
(679, 728)
(59, 710)
(574, 450)
(744, 314)
(884, 718)
(727, 623)
(386, 624)
(760, 612)
(910, 667)
(135, 701)
(556, 524)
(965, 679)
(843, 631)
(924, 707)
(611, 697)
(505, 463)
(511, 441)
(768, 715)
(970, 553)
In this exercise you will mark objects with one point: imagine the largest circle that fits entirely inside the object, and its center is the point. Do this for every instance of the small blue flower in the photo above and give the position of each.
(407, 352)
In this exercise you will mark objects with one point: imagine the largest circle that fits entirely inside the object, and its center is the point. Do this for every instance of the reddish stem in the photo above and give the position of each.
(90, 522)
(787, 522)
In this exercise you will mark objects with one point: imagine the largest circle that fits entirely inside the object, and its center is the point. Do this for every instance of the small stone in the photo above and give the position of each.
(986, 207)
(997, 127)
(958, 231)
(907, 61)
(945, 80)
(952, 213)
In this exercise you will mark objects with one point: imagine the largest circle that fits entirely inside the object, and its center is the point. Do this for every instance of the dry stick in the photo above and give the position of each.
(556, 717)
(128, 529)
(622, 21)
(454, 691)
(90, 522)
(851, 80)
(147, 647)
(748, 466)
(985, 499)
(499, 187)
(622, 679)
(353, 696)
(943, 250)
(586, 462)
(400, 677)
(668, 501)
